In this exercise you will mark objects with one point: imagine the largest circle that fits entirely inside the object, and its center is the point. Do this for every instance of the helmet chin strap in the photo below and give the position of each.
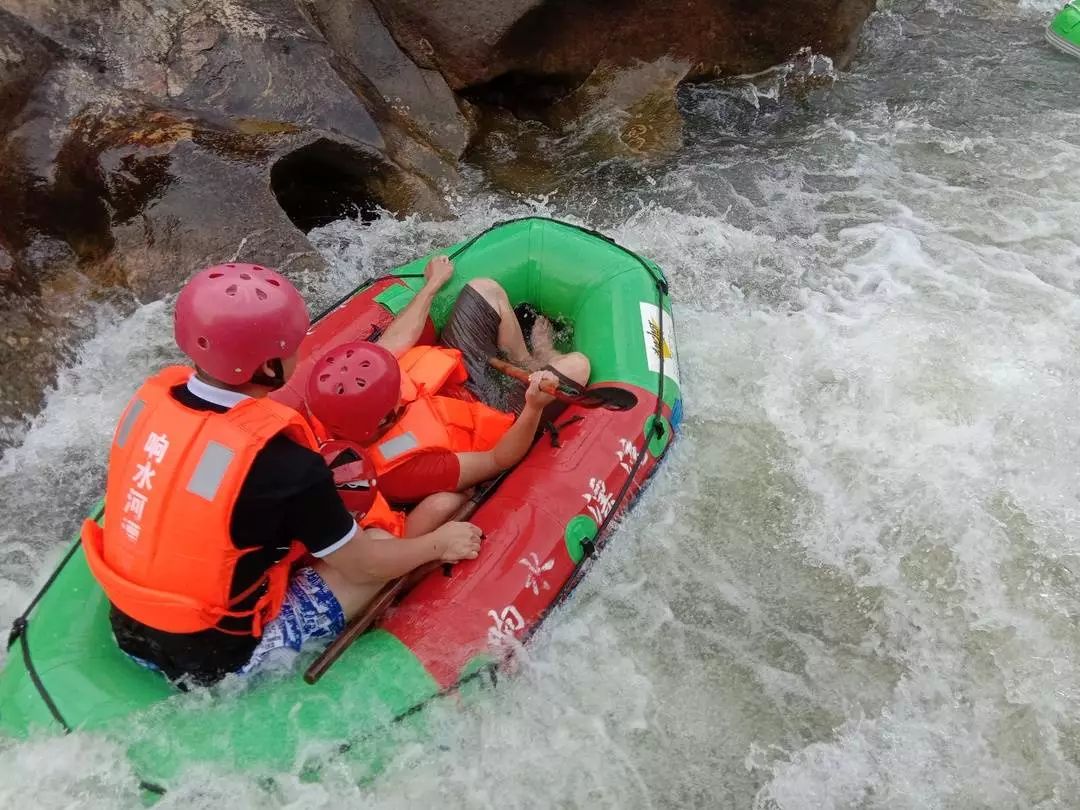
(272, 382)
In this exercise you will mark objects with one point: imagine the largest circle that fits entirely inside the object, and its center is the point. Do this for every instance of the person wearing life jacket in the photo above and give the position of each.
(482, 324)
(214, 492)
(361, 393)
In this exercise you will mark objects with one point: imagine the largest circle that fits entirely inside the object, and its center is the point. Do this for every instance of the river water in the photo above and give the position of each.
(856, 581)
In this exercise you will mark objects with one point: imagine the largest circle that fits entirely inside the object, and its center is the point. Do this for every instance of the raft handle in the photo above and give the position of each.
(18, 627)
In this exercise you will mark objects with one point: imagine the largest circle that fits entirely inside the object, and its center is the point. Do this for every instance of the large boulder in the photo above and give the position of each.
(142, 139)
(526, 43)
(419, 99)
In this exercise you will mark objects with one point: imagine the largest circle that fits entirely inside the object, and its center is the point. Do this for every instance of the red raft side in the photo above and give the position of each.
(535, 524)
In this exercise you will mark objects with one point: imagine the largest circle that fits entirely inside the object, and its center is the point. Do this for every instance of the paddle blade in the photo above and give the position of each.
(614, 399)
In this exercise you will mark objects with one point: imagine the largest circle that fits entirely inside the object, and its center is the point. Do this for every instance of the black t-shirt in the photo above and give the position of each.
(288, 495)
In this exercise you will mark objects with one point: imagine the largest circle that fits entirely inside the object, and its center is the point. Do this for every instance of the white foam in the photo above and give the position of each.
(855, 582)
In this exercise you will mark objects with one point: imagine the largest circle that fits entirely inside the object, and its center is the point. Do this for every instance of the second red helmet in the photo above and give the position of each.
(352, 388)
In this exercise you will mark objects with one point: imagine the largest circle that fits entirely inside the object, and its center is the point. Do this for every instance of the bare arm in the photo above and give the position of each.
(375, 554)
(403, 332)
(512, 447)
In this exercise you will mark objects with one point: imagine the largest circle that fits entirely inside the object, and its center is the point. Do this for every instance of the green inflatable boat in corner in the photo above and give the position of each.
(544, 522)
(1063, 32)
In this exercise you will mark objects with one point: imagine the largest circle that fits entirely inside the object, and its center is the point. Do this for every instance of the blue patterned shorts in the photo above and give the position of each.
(310, 612)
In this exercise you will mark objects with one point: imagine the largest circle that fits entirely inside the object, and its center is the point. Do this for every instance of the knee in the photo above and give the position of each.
(444, 504)
(490, 290)
(576, 366)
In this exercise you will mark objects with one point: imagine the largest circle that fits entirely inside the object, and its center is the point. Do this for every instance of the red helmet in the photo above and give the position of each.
(354, 475)
(352, 388)
(232, 318)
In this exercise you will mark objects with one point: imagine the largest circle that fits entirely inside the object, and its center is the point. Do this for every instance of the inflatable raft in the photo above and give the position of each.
(1063, 32)
(544, 521)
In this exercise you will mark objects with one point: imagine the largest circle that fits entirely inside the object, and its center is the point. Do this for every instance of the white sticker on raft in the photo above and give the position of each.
(650, 330)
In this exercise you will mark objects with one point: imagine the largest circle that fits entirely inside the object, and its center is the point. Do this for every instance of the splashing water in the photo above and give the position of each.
(856, 581)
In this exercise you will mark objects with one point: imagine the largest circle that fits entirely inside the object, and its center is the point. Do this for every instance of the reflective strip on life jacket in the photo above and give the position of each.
(396, 446)
(435, 423)
(165, 556)
(206, 480)
(123, 430)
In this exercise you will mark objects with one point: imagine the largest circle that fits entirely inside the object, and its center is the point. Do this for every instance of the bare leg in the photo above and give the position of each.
(433, 512)
(574, 365)
(353, 596)
(510, 339)
(512, 342)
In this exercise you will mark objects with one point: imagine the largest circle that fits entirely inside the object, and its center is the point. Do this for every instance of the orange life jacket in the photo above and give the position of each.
(382, 516)
(165, 556)
(432, 422)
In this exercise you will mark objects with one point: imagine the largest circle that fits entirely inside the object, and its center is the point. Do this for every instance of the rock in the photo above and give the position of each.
(9, 273)
(153, 136)
(260, 60)
(628, 112)
(419, 98)
(459, 39)
(484, 41)
(143, 140)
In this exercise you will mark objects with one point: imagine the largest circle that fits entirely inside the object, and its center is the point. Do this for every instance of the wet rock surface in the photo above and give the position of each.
(142, 139)
(481, 41)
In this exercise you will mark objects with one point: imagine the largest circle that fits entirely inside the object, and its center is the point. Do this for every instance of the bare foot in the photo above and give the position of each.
(543, 340)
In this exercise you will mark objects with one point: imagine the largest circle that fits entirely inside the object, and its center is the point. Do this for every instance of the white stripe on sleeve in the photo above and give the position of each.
(331, 549)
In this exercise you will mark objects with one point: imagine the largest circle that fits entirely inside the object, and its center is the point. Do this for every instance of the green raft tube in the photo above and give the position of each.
(1063, 32)
(64, 671)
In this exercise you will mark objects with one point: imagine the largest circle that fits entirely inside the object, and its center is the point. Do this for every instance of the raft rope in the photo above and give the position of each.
(20, 627)
(20, 631)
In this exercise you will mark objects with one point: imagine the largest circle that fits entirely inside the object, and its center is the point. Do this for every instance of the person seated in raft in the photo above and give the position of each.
(214, 491)
(357, 485)
(417, 412)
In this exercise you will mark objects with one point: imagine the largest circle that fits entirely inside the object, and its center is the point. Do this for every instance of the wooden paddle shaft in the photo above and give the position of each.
(522, 376)
(383, 600)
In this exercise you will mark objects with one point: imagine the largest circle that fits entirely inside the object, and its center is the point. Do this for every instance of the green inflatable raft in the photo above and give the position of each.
(544, 522)
(1063, 32)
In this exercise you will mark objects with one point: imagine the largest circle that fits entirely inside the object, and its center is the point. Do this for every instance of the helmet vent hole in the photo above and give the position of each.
(203, 343)
(273, 281)
(230, 290)
(348, 354)
(360, 382)
(324, 377)
(216, 275)
(339, 389)
(365, 363)
(245, 276)
(261, 294)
